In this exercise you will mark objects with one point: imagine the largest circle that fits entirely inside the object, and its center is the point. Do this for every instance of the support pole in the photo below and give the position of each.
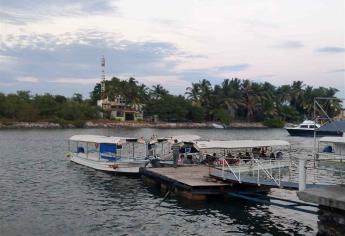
(176, 152)
(302, 177)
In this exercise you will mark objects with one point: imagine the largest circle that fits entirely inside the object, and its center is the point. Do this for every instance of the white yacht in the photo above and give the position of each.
(304, 129)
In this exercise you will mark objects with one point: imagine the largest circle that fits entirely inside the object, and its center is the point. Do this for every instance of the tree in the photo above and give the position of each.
(77, 97)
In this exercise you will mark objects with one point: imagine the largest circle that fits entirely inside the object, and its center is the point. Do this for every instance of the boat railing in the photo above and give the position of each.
(256, 166)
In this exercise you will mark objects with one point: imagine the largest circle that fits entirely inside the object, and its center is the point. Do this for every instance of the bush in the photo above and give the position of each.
(223, 116)
(274, 123)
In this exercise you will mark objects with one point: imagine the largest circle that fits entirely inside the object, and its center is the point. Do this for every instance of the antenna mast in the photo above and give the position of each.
(103, 78)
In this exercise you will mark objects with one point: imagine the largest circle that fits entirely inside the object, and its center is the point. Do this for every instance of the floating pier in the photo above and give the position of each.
(193, 182)
(331, 201)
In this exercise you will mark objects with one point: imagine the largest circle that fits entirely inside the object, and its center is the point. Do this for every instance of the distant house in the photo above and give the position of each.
(121, 110)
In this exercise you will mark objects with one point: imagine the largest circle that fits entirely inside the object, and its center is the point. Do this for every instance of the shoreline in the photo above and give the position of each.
(126, 124)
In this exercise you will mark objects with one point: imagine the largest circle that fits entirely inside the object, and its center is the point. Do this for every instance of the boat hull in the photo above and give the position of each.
(310, 133)
(108, 166)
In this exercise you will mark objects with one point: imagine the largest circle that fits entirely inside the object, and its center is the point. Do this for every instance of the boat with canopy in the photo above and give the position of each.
(112, 154)
(331, 149)
(245, 150)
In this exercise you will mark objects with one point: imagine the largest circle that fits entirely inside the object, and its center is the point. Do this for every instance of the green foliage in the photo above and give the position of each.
(233, 99)
(196, 114)
(168, 107)
(274, 123)
(223, 116)
(24, 107)
(252, 101)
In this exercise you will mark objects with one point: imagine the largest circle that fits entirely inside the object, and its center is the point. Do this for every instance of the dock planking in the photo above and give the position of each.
(193, 176)
(192, 182)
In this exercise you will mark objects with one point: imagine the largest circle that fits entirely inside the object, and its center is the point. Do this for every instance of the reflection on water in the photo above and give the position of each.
(42, 193)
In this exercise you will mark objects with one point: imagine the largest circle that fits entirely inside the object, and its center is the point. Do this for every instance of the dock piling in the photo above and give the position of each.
(302, 177)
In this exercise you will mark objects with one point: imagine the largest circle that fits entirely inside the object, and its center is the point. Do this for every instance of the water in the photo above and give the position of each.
(42, 193)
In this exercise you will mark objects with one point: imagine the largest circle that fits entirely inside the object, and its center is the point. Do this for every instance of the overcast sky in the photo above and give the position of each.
(56, 46)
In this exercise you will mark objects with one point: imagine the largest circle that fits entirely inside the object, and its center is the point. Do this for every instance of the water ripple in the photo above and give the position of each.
(42, 193)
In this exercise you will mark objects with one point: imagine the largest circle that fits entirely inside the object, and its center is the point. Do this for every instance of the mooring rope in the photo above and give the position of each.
(167, 194)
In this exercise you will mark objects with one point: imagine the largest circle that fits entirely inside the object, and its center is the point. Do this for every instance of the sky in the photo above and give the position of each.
(56, 46)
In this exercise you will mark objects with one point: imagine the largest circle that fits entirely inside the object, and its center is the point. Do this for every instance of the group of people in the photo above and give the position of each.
(257, 153)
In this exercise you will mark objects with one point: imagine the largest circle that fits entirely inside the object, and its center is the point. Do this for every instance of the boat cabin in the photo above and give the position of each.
(331, 148)
(103, 148)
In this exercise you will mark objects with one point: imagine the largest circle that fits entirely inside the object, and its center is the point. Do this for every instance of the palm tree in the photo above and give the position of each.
(249, 101)
(158, 92)
(193, 93)
(296, 94)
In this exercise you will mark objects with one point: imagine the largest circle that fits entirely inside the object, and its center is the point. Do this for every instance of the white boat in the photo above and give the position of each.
(161, 147)
(304, 129)
(111, 154)
(217, 126)
(331, 148)
(196, 151)
(237, 150)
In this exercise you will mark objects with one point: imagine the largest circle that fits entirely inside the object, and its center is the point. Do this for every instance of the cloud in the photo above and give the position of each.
(336, 71)
(74, 59)
(256, 23)
(265, 76)
(6, 84)
(289, 45)
(330, 50)
(25, 11)
(232, 68)
(29, 79)
(74, 81)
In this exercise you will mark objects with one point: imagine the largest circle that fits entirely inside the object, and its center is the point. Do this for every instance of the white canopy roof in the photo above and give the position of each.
(179, 138)
(185, 138)
(97, 139)
(215, 144)
(333, 139)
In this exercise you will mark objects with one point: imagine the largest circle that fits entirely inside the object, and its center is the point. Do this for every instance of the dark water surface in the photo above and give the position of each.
(42, 193)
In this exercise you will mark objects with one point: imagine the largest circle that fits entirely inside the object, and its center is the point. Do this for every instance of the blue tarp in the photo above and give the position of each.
(108, 151)
(105, 147)
(335, 126)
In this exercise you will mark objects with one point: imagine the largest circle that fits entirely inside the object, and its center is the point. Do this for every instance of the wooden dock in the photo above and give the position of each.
(192, 183)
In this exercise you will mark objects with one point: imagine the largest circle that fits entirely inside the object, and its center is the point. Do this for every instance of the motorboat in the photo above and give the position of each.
(217, 126)
(111, 154)
(308, 127)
